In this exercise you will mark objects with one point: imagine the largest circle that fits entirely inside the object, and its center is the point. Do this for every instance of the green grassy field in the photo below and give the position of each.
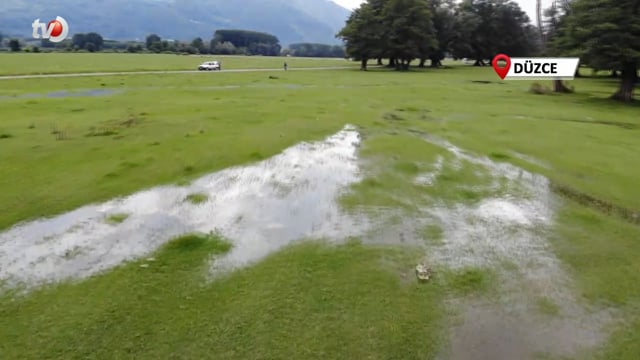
(41, 63)
(262, 312)
(310, 300)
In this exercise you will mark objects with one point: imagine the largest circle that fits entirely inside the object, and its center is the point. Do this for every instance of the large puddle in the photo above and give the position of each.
(260, 208)
(534, 312)
(509, 234)
(513, 226)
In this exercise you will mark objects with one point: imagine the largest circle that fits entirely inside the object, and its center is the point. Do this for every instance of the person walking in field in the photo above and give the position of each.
(285, 66)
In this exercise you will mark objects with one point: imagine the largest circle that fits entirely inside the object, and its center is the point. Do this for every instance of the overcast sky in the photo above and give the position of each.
(529, 6)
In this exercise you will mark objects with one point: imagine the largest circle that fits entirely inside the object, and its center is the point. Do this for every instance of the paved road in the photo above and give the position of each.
(39, 76)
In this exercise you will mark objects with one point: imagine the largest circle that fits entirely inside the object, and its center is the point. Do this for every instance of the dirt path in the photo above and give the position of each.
(152, 72)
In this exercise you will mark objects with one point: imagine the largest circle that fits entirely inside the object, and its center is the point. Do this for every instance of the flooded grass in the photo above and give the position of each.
(216, 145)
(598, 249)
(461, 182)
(197, 198)
(471, 281)
(261, 208)
(388, 167)
(197, 242)
(115, 219)
(547, 307)
(432, 234)
(149, 312)
(487, 213)
(585, 144)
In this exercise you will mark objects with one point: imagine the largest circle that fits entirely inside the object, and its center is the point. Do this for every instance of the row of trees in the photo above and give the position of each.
(605, 34)
(406, 30)
(224, 42)
(255, 43)
(156, 44)
(315, 50)
(240, 42)
(91, 42)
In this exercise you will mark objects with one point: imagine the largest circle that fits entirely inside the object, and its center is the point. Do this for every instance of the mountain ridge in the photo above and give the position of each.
(290, 20)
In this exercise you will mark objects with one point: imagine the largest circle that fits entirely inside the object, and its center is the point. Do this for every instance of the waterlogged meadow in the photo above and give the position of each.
(281, 215)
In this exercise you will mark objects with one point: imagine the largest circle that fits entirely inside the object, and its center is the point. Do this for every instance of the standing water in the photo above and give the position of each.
(259, 208)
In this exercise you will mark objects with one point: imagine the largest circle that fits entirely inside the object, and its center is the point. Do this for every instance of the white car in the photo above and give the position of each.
(210, 66)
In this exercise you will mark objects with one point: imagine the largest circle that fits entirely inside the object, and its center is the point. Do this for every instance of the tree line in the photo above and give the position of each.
(408, 30)
(604, 34)
(90, 42)
(224, 42)
(315, 50)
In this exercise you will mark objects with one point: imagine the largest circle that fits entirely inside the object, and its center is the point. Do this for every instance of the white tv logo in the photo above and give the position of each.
(56, 30)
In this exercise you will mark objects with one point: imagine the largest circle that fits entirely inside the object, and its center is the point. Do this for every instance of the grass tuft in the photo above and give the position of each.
(115, 219)
(470, 281)
(197, 198)
(547, 307)
(96, 132)
(432, 234)
(499, 156)
(189, 169)
(196, 241)
(392, 116)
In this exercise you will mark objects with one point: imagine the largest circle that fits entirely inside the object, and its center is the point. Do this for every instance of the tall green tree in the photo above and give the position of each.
(378, 8)
(410, 30)
(484, 28)
(401, 30)
(363, 35)
(555, 40)
(14, 45)
(95, 39)
(443, 13)
(91, 41)
(152, 40)
(198, 44)
(467, 40)
(607, 33)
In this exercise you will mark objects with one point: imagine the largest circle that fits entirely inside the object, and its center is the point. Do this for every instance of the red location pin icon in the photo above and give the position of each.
(501, 71)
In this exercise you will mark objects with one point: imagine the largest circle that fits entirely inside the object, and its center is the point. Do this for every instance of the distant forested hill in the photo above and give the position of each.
(292, 21)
